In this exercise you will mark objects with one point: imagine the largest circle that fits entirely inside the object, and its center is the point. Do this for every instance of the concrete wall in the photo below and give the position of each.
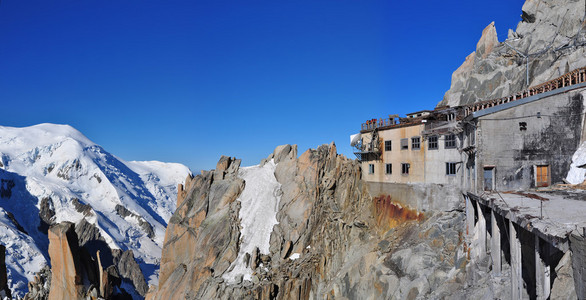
(435, 163)
(549, 140)
(578, 247)
(423, 197)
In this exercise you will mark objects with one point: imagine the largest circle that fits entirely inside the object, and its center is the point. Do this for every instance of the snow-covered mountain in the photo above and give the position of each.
(54, 171)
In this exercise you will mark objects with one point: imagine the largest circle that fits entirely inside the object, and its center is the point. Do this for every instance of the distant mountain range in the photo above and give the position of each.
(52, 173)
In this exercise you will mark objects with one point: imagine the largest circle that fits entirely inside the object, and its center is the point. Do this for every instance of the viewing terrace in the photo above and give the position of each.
(572, 78)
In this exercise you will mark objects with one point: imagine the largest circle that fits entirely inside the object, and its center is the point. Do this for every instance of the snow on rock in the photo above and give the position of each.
(576, 175)
(258, 214)
(294, 256)
(59, 163)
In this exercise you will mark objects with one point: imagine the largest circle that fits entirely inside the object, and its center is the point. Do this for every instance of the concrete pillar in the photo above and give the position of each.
(495, 244)
(469, 217)
(481, 232)
(542, 275)
(516, 267)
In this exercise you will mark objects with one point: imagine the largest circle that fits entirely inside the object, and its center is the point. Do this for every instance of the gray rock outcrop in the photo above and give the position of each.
(552, 33)
(327, 244)
(40, 287)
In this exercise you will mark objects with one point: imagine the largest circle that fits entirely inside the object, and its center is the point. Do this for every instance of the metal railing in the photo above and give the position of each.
(574, 77)
(388, 123)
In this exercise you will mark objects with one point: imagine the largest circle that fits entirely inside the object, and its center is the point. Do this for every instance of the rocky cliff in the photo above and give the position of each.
(330, 238)
(549, 41)
(80, 271)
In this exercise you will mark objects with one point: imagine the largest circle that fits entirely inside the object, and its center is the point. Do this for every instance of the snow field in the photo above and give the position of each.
(258, 214)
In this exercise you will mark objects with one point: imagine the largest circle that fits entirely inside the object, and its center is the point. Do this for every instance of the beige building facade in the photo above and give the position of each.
(407, 151)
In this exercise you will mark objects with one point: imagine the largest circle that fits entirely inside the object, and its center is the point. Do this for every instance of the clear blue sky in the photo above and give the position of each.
(188, 81)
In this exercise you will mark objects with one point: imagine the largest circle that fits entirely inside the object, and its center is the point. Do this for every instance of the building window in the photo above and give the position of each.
(415, 143)
(404, 144)
(405, 169)
(450, 141)
(450, 168)
(371, 169)
(432, 143)
(387, 145)
(489, 174)
(389, 168)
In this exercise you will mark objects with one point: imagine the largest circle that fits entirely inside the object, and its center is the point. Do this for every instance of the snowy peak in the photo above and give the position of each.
(16, 138)
(57, 173)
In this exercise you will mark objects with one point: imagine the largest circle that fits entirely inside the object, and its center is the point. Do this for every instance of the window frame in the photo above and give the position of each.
(433, 142)
(450, 139)
(413, 144)
(370, 168)
(388, 145)
(388, 169)
(405, 168)
(451, 168)
(405, 144)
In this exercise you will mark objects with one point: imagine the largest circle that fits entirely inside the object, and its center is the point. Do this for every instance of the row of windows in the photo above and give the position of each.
(450, 168)
(432, 143)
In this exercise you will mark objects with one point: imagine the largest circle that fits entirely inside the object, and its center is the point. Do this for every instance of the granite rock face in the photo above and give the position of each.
(551, 33)
(327, 243)
(67, 270)
(75, 274)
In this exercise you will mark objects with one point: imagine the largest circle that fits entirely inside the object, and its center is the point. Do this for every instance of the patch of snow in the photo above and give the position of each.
(577, 175)
(294, 256)
(258, 214)
(308, 247)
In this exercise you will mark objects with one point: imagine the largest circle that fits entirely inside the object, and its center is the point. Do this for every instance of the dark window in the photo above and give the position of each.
(405, 169)
(488, 176)
(450, 168)
(522, 126)
(389, 168)
(404, 144)
(415, 143)
(432, 142)
(450, 141)
(387, 145)
(371, 169)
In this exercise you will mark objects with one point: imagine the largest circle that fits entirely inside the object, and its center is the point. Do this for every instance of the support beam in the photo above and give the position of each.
(542, 275)
(495, 245)
(516, 263)
(481, 227)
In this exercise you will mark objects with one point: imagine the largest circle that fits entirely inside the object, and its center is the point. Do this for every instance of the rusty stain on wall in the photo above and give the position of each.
(389, 214)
